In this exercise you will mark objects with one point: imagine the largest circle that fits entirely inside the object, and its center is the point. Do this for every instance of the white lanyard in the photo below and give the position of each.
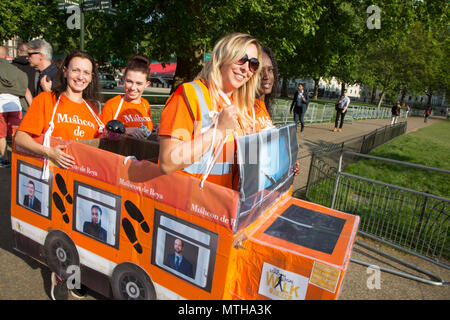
(214, 155)
(120, 108)
(51, 127)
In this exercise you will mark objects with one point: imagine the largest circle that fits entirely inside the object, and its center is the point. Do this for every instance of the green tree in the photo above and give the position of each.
(187, 29)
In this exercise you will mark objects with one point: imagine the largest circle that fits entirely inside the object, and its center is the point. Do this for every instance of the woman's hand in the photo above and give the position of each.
(296, 168)
(227, 121)
(62, 159)
(56, 154)
(136, 133)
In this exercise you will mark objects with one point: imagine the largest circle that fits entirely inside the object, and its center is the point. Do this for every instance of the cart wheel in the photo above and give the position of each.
(61, 253)
(129, 282)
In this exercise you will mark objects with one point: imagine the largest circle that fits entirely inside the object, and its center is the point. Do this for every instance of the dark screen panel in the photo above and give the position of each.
(307, 228)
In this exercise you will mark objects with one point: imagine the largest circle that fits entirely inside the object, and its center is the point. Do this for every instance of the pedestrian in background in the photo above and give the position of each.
(21, 62)
(40, 55)
(300, 105)
(341, 110)
(395, 113)
(13, 86)
(408, 109)
(427, 114)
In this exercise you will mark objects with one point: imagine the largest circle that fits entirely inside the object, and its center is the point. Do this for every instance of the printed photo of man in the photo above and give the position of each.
(177, 261)
(30, 200)
(94, 227)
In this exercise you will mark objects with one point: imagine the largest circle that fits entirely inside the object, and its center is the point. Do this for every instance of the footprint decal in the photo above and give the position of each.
(60, 206)
(131, 234)
(62, 187)
(136, 214)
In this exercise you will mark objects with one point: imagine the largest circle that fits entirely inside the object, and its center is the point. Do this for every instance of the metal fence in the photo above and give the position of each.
(410, 220)
(317, 113)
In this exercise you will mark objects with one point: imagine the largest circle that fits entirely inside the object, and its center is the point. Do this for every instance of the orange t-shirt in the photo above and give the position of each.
(72, 121)
(178, 122)
(130, 114)
(262, 116)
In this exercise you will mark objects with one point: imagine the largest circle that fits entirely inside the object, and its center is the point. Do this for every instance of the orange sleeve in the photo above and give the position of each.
(35, 121)
(149, 111)
(262, 116)
(261, 110)
(147, 106)
(108, 110)
(176, 119)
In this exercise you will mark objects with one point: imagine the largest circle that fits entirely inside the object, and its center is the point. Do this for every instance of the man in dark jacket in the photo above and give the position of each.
(30, 200)
(21, 62)
(395, 113)
(299, 105)
(177, 261)
(40, 55)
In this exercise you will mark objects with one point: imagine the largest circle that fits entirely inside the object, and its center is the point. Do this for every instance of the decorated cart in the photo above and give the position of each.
(124, 225)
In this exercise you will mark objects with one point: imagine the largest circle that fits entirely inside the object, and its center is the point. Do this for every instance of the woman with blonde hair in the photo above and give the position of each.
(202, 117)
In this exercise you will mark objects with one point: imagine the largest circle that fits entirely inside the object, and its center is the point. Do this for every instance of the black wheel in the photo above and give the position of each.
(60, 253)
(129, 282)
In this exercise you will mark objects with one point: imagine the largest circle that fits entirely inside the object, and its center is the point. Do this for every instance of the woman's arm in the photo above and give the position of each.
(177, 154)
(62, 159)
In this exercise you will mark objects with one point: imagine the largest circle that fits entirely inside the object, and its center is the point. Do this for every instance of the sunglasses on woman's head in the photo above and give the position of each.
(253, 63)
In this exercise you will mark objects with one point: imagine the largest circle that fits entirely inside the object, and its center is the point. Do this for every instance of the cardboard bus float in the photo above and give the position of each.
(255, 243)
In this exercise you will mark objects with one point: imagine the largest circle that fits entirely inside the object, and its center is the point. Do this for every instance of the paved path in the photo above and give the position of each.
(319, 135)
(23, 278)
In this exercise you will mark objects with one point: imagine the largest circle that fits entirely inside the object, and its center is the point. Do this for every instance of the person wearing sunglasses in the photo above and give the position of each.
(40, 54)
(202, 118)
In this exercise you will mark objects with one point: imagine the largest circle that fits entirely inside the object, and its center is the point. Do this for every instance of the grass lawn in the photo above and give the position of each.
(429, 146)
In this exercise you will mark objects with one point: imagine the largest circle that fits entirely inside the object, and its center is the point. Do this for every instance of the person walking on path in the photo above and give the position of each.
(300, 105)
(395, 113)
(427, 114)
(341, 110)
(408, 109)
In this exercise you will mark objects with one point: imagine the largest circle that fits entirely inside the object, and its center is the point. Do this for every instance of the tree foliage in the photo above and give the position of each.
(317, 38)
